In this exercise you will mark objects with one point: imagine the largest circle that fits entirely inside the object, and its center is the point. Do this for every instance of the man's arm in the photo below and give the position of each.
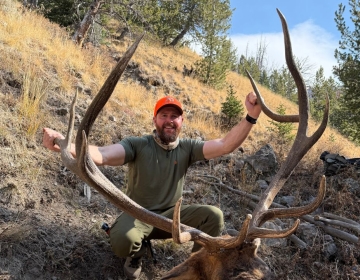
(237, 135)
(112, 155)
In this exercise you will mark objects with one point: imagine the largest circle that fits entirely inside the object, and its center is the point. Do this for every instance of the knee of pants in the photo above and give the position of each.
(217, 214)
(215, 220)
(124, 245)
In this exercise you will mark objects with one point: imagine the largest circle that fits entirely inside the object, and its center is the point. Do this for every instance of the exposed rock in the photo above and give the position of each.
(273, 242)
(263, 164)
(62, 111)
(262, 184)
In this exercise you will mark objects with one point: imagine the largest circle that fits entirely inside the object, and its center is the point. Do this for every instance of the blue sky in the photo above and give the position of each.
(313, 31)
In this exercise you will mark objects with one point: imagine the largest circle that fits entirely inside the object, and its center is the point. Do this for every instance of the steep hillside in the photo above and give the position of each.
(50, 230)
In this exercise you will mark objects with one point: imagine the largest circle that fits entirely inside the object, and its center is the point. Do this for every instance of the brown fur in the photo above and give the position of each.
(237, 263)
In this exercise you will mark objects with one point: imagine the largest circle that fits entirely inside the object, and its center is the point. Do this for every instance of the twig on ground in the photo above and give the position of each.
(321, 222)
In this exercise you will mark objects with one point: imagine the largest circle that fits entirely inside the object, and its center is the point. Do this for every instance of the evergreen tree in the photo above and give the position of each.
(249, 64)
(173, 22)
(255, 65)
(143, 14)
(216, 47)
(229, 55)
(186, 20)
(63, 12)
(282, 130)
(154, 16)
(320, 88)
(348, 69)
(232, 107)
(140, 14)
(182, 20)
(277, 82)
(264, 79)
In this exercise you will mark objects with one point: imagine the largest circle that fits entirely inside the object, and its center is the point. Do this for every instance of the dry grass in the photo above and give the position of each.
(34, 90)
(29, 39)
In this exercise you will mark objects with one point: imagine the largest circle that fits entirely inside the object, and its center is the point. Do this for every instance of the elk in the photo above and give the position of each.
(223, 257)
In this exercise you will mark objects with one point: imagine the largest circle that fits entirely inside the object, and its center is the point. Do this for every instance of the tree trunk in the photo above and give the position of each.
(180, 36)
(30, 3)
(85, 24)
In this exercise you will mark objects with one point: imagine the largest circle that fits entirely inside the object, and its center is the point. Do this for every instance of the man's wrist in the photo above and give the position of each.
(250, 119)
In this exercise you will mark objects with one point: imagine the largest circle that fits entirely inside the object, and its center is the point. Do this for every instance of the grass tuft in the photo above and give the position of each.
(34, 90)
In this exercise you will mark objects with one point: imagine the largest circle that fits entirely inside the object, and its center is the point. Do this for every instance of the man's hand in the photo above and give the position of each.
(253, 108)
(49, 137)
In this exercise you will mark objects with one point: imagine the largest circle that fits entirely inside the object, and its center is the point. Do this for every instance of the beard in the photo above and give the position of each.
(167, 137)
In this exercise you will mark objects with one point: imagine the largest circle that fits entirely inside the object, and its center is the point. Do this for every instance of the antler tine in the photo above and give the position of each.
(257, 232)
(301, 145)
(295, 73)
(64, 144)
(104, 94)
(211, 243)
(71, 122)
(178, 236)
(300, 84)
(234, 242)
(270, 233)
(301, 139)
(295, 211)
(272, 115)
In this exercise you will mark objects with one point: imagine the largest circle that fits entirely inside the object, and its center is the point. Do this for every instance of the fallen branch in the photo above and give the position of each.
(338, 223)
(321, 222)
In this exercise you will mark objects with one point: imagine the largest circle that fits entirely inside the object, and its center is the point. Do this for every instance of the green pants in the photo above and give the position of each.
(127, 233)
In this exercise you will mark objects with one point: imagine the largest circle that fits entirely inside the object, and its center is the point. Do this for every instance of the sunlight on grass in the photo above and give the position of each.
(33, 92)
(136, 98)
(201, 120)
(29, 39)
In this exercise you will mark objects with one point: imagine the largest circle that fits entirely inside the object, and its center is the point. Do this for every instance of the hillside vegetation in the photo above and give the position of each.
(48, 229)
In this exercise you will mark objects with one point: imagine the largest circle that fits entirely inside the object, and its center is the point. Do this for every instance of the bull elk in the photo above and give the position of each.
(223, 257)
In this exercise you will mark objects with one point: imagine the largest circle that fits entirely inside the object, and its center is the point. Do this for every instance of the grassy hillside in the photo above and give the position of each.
(47, 227)
(40, 55)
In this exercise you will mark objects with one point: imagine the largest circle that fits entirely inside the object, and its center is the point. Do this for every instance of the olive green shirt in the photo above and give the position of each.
(156, 176)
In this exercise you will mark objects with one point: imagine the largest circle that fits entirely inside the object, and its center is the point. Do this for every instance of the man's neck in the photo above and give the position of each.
(166, 146)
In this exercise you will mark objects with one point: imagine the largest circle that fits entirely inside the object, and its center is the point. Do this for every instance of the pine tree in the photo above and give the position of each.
(232, 108)
(217, 50)
(282, 130)
(62, 12)
(348, 69)
(320, 88)
(277, 82)
(249, 64)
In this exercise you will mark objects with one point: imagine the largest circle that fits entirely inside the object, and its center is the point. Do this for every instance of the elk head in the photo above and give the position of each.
(224, 257)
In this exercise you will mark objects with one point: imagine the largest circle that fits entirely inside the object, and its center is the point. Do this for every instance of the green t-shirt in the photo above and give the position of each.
(156, 176)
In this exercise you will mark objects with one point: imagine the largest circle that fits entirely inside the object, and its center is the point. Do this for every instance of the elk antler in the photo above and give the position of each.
(237, 258)
(251, 228)
(301, 145)
(86, 169)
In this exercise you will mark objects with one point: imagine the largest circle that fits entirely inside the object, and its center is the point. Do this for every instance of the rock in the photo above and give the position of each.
(273, 242)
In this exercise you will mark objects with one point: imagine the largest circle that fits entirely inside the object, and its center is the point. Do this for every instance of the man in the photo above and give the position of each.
(157, 168)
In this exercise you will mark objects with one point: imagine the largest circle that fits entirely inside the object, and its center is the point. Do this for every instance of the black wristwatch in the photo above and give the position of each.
(250, 119)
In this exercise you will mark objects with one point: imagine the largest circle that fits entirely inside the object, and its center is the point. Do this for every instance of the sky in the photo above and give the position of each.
(313, 32)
